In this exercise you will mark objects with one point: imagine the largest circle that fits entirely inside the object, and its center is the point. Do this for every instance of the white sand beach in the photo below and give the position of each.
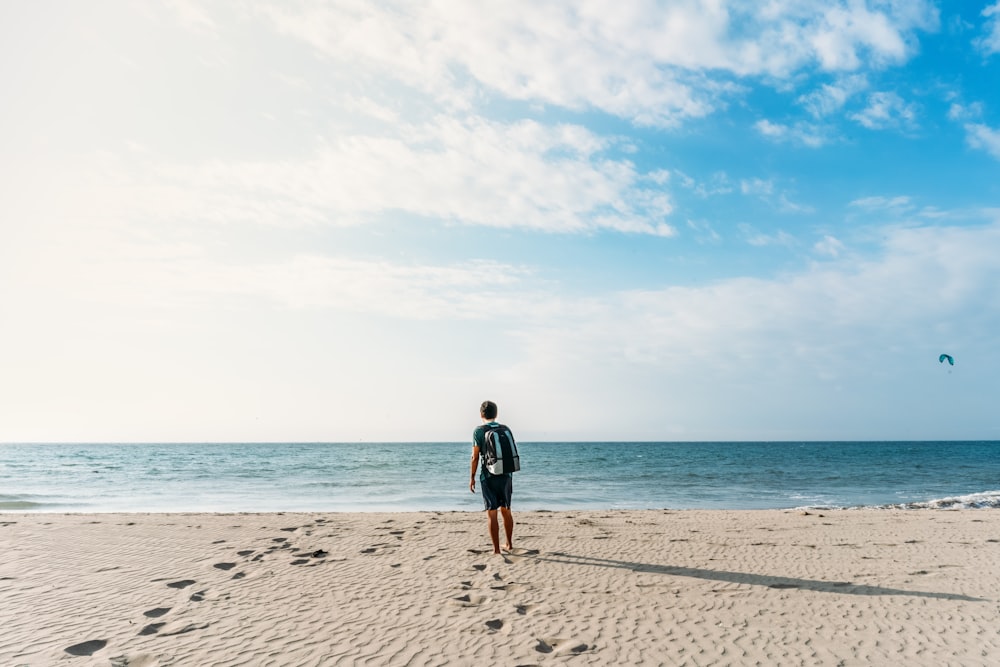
(869, 587)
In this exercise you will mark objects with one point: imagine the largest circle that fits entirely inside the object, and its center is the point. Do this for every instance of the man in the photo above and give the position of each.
(496, 489)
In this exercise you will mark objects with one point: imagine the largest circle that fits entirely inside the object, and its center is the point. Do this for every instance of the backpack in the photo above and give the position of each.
(499, 451)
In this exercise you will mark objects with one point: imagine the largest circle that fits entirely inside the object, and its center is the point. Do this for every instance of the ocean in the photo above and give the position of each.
(262, 477)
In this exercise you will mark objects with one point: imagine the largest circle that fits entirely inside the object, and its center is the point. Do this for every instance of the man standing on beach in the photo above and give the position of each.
(497, 489)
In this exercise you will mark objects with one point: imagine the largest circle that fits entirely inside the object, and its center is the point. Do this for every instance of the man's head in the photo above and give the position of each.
(488, 410)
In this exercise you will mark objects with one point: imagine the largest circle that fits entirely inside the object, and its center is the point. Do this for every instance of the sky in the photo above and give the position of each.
(352, 220)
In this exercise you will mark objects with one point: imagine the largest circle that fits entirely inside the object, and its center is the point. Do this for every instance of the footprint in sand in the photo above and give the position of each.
(86, 648)
(245, 552)
(494, 624)
(513, 586)
(560, 645)
(224, 566)
(139, 660)
(516, 555)
(180, 628)
(183, 583)
(156, 613)
(239, 575)
(469, 600)
(151, 629)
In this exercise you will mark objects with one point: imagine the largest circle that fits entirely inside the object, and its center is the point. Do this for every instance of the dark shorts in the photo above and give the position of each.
(496, 491)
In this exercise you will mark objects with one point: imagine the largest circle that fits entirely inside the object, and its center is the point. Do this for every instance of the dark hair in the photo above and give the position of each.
(488, 410)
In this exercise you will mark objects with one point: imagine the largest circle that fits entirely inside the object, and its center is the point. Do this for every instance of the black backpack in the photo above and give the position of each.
(500, 452)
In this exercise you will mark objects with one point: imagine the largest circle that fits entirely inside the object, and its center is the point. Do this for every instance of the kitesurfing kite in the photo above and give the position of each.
(948, 358)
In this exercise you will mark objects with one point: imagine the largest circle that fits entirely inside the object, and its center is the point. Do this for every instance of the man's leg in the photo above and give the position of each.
(508, 528)
(495, 529)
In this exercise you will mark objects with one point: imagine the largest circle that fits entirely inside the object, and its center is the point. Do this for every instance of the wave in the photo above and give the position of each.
(984, 500)
(972, 501)
(19, 505)
(25, 502)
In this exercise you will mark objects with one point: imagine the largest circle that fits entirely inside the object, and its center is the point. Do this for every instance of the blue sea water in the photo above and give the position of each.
(255, 477)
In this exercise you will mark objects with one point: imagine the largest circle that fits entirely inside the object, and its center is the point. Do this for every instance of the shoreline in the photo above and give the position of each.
(881, 586)
(555, 476)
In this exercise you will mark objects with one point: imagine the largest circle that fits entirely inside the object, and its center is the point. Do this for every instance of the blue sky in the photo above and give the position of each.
(353, 220)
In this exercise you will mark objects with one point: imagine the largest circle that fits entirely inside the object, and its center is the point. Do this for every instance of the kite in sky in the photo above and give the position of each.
(943, 357)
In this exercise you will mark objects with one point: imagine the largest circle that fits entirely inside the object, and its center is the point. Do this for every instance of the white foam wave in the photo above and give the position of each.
(984, 500)
(972, 501)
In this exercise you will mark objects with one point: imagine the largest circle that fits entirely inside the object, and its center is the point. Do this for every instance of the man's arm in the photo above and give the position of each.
(473, 466)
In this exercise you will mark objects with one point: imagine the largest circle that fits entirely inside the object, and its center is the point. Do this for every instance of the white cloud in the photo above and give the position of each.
(829, 246)
(886, 110)
(786, 205)
(477, 289)
(989, 42)
(760, 239)
(750, 353)
(703, 231)
(831, 97)
(803, 134)
(655, 64)
(476, 172)
(958, 112)
(718, 184)
(813, 341)
(757, 186)
(845, 30)
(983, 137)
(879, 203)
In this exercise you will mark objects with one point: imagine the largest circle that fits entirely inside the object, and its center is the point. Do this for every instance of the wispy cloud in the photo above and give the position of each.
(804, 134)
(848, 30)
(887, 110)
(855, 321)
(983, 137)
(758, 238)
(655, 65)
(473, 171)
(880, 203)
(830, 98)
(989, 42)
(829, 246)
(760, 187)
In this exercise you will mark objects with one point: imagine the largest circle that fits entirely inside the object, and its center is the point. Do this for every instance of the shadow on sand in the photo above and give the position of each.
(769, 581)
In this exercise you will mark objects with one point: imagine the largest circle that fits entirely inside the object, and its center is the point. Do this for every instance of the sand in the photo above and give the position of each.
(869, 587)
